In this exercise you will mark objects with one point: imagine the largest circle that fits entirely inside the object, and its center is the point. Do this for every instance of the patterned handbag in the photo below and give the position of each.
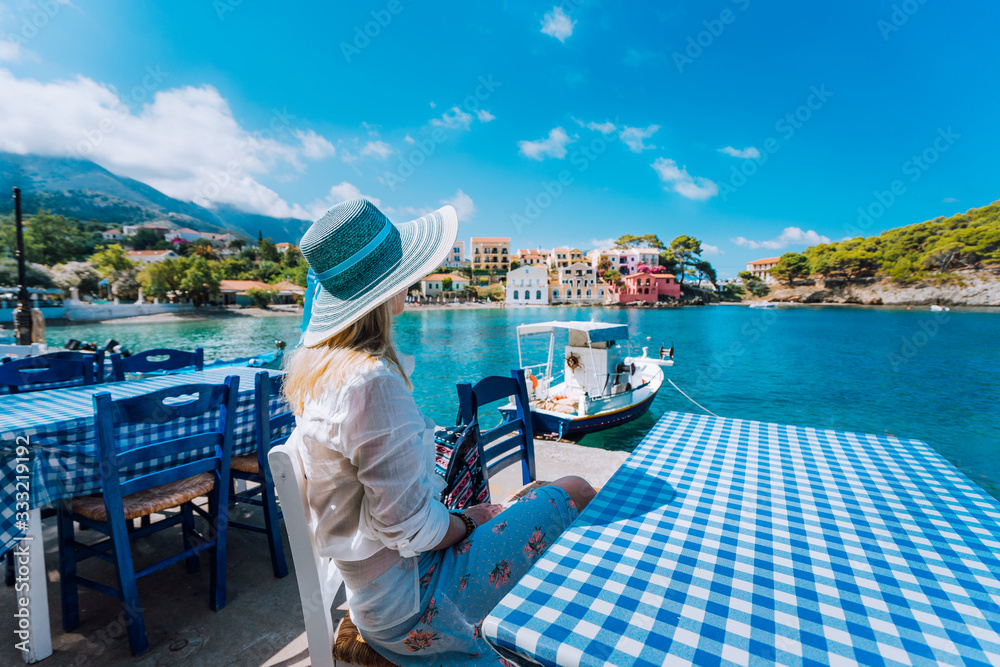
(457, 461)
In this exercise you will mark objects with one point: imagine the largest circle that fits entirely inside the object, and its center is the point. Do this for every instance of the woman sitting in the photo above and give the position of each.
(419, 579)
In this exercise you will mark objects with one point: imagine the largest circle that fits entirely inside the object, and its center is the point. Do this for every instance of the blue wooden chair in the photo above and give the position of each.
(200, 467)
(42, 372)
(254, 467)
(160, 359)
(37, 374)
(95, 358)
(512, 440)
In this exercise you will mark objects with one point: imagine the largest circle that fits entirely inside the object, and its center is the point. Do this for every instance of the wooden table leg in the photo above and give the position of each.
(29, 554)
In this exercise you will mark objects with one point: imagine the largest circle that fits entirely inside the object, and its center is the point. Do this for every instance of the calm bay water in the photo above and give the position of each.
(908, 373)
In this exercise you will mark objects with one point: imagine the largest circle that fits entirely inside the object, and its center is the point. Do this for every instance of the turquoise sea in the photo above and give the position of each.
(908, 373)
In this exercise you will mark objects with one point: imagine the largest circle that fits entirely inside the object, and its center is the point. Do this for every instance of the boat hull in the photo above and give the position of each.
(572, 426)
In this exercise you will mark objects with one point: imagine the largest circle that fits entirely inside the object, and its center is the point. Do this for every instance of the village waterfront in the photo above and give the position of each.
(910, 373)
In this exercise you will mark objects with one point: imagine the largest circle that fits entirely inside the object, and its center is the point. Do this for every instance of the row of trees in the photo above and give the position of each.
(51, 239)
(63, 252)
(968, 240)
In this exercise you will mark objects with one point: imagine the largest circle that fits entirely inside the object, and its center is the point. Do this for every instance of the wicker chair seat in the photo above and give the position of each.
(247, 463)
(151, 500)
(350, 646)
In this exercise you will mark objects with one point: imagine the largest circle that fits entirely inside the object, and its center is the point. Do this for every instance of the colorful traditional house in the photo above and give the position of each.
(648, 287)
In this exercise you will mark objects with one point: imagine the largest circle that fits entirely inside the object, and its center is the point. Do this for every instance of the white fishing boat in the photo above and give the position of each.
(763, 304)
(939, 309)
(598, 385)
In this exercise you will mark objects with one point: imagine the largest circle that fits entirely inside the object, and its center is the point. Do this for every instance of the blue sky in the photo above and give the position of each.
(555, 124)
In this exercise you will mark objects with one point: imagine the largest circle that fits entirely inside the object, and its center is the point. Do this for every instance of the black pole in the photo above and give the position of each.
(22, 314)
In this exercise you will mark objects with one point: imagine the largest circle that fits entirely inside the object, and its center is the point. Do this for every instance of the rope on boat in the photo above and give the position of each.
(691, 399)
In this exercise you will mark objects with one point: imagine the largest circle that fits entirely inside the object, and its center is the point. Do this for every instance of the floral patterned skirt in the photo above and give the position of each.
(459, 586)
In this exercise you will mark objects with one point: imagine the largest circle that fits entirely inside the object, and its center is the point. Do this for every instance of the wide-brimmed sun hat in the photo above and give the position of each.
(361, 260)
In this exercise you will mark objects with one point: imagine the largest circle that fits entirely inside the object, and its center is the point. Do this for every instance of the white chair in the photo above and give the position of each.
(319, 581)
(318, 578)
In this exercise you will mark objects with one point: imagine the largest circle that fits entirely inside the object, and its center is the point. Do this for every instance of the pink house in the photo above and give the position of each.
(648, 287)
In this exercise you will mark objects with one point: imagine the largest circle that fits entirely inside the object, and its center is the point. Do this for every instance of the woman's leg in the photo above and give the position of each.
(578, 489)
(471, 578)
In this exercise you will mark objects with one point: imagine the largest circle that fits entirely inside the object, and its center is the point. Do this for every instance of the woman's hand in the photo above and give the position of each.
(456, 527)
(483, 513)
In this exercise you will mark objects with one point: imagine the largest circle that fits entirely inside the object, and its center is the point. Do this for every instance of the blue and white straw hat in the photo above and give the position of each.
(361, 259)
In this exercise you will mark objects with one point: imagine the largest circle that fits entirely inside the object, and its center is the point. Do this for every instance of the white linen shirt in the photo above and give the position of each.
(368, 457)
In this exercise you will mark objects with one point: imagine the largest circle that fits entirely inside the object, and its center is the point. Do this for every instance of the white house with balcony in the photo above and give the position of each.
(151, 256)
(626, 262)
(449, 285)
(528, 286)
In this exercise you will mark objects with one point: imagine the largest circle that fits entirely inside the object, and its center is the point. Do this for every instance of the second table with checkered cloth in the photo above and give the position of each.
(728, 542)
(58, 426)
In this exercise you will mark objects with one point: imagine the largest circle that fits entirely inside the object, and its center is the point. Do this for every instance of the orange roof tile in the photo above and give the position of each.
(242, 285)
(769, 260)
(285, 286)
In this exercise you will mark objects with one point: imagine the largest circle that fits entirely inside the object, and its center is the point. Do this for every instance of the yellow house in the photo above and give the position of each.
(490, 253)
(562, 257)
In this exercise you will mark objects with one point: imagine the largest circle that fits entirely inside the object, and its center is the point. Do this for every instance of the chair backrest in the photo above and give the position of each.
(318, 578)
(38, 373)
(513, 439)
(271, 428)
(209, 450)
(96, 358)
(160, 359)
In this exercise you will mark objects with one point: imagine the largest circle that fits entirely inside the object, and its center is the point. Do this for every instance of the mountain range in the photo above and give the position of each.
(84, 190)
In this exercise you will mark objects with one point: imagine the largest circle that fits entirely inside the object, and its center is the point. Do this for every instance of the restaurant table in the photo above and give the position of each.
(729, 542)
(57, 428)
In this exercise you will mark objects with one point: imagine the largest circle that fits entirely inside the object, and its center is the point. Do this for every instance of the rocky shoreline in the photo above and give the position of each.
(961, 288)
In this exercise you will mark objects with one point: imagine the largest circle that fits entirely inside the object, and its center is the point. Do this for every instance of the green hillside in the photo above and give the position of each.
(83, 190)
(969, 240)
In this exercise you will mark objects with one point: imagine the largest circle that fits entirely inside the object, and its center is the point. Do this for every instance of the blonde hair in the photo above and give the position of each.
(312, 370)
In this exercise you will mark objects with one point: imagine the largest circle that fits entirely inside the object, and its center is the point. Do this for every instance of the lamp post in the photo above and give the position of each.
(22, 314)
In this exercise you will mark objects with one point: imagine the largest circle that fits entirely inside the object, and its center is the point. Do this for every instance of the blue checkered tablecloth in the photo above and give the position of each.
(728, 542)
(59, 427)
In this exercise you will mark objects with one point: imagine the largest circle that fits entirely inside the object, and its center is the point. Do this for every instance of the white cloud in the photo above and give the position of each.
(603, 244)
(338, 193)
(485, 116)
(606, 127)
(949, 200)
(378, 149)
(184, 142)
(11, 52)
(452, 119)
(558, 24)
(746, 153)
(553, 146)
(315, 146)
(433, 105)
(635, 136)
(463, 204)
(707, 249)
(410, 140)
(789, 236)
(677, 179)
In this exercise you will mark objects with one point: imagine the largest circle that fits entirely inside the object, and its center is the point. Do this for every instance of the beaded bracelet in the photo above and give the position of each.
(470, 523)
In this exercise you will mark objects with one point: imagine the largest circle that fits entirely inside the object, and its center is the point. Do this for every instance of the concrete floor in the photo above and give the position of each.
(261, 624)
